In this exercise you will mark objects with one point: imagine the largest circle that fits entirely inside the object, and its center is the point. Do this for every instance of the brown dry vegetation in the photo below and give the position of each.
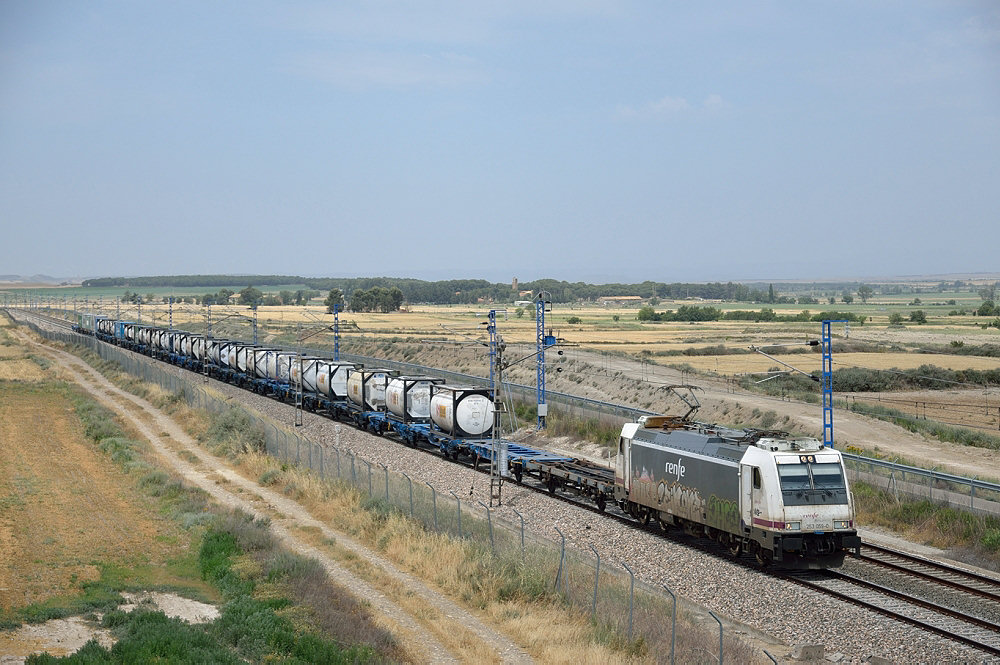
(67, 513)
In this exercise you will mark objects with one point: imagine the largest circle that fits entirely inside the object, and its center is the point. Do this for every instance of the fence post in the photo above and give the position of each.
(434, 503)
(489, 520)
(459, 512)
(354, 473)
(972, 493)
(368, 464)
(597, 577)
(337, 452)
(411, 493)
(386, 470)
(521, 517)
(720, 634)
(322, 463)
(631, 597)
(673, 625)
(562, 557)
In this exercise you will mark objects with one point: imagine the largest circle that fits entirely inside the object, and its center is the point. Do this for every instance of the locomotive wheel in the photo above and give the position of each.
(735, 547)
(760, 555)
(644, 517)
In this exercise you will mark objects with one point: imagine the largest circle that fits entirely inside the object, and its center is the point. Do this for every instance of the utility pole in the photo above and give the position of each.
(498, 446)
(298, 378)
(542, 304)
(208, 336)
(336, 331)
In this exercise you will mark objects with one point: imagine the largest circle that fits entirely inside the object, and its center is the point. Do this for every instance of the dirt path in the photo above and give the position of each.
(421, 635)
(849, 428)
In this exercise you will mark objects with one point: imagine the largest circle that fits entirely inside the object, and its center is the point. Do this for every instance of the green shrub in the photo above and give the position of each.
(234, 432)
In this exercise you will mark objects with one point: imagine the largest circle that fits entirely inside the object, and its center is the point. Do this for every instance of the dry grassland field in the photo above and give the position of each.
(67, 512)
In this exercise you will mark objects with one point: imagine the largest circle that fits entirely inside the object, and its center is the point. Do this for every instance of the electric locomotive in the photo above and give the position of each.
(785, 500)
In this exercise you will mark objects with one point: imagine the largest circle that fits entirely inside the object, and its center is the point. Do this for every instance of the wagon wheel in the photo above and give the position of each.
(517, 473)
(735, 546)
(601, 503)
(645, 516)
(550, 484)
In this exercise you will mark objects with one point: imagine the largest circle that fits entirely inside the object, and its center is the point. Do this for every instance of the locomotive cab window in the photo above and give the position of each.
(756, 478)
(827, 476)
(794, 476)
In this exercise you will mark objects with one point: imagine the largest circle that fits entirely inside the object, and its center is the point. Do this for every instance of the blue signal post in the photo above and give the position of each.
(827, 382)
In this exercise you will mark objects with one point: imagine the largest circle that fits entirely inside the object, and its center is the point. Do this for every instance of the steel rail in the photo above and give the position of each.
(924, 624)
(991, 593)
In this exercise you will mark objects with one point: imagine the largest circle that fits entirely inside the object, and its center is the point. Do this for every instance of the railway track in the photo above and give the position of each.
(936, 572)
(936, 597)
(951, 602)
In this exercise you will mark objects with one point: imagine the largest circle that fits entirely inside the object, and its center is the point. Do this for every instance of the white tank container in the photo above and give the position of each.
(462, 412)
(409, 397)
(198, 347)
(283, 366)
(366, 388)
(214, 347)
(308, 365)
(227, 354)
(244, 358)
(264, 363)
(331, 378)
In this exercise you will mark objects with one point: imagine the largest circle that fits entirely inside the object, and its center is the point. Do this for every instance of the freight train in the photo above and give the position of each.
(784, 500)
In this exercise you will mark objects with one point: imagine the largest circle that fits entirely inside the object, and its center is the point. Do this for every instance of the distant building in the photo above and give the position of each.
(620, 300)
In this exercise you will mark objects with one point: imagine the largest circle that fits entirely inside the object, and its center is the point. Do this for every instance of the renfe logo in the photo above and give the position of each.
(676, 470)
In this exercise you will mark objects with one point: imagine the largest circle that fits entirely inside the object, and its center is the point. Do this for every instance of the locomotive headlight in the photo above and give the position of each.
(841, 524)
(793, 526)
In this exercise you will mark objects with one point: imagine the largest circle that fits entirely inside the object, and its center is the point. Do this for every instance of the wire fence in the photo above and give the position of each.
(637, 615)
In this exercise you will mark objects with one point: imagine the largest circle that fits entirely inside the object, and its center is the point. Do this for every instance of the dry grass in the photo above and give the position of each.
(551, 631)
(21, 369)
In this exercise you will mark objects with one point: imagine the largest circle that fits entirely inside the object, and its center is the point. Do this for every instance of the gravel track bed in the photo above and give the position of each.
(789, 613)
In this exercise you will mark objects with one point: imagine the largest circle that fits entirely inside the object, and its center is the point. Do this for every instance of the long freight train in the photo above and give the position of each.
(784, 500)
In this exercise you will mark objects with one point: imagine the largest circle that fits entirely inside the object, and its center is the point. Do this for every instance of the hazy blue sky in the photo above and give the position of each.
(581, 140)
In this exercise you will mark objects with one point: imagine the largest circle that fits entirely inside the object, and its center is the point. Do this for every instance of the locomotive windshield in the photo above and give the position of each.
(812, 482)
